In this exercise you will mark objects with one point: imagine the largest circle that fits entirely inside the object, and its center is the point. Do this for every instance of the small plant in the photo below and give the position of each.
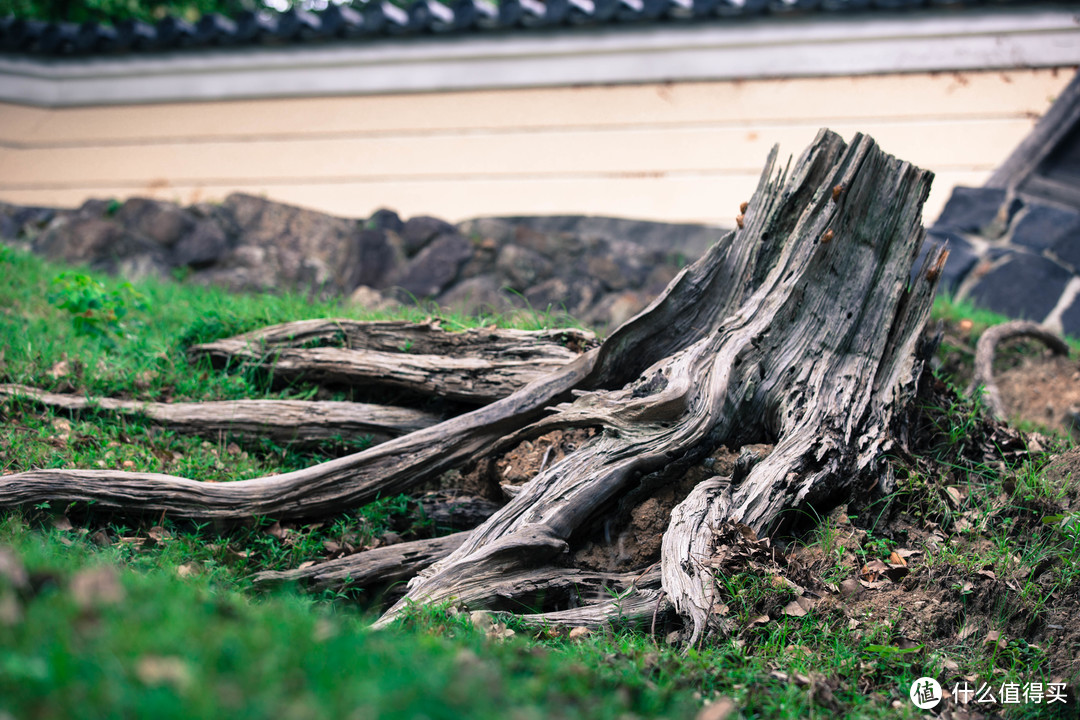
(112, 207)
(95, 310)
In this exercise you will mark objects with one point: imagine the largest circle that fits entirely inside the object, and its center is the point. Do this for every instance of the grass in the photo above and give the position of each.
(140, 617)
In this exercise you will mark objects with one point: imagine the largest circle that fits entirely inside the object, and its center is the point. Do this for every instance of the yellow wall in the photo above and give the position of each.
(679, 152)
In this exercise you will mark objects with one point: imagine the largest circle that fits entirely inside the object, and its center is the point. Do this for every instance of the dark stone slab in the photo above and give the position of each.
(1067, 246)
(1041, 228)
(203, 246)
(1025, 286)
(435, 267)
(384, 219)
(373, 255)
(9, 229)
(962, 258)
(970, 209)
(419, 231)
(164, 223)
(520, 268)
(686, 239)
(1070, 319)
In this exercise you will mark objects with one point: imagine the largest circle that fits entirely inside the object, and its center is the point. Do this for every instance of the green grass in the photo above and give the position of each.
(180, 631)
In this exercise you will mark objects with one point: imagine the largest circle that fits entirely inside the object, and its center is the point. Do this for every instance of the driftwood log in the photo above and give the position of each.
(798, 330)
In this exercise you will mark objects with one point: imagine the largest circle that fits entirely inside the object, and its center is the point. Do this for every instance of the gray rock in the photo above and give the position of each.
(482, 293)
(574, 295)
(1022, 286)
(384, 220)
(421, 230)
(204, 245)
(164, 223)
(498, 231)
(1042, 228)
(372, 257)
(434, 268)
(971, 209)
(521, 268)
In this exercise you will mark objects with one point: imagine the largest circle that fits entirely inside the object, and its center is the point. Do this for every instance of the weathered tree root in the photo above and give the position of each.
(474, 366)
(799, 329)
(279, 420)
(381, 566)
(986, 349)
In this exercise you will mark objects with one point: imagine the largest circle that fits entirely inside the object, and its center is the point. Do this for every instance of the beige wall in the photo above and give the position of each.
(680, 152)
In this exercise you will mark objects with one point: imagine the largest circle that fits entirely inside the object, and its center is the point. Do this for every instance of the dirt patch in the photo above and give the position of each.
(631, 539)
(1044, 391)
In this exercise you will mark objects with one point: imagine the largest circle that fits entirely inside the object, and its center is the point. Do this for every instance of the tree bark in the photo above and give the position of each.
(798, 330)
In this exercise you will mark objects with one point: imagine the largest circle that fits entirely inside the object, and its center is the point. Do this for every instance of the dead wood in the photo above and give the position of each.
(476, 366)
(279, 420)
(799, 329)
(986, 349)
(381, 566)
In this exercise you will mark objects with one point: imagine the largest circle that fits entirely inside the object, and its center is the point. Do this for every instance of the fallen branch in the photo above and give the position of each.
(278, 420)
(477, 366)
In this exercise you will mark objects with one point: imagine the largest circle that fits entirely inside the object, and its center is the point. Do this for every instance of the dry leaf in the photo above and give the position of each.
(12, 570)
(896, 559)
(59, 370)
(578, 632)
(186, 570)
(61, 522)
(10, 610)
(156, 670)
(719, 709)
(993, 638)
(96, 586)
(794, 609)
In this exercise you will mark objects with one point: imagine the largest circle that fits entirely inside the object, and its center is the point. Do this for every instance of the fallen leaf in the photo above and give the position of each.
(993, 638)
(12, 570)
(896, 559)
(794, 609)
(759, 620)
(59, 370)
(10, 609)
(719, 709)
(578, 632)
(233, 449)
(186, 570)
(61, 522)
(155, 670)
(850, 588)
(96, 586)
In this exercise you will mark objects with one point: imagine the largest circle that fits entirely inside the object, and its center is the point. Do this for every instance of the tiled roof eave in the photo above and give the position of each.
(805, 45)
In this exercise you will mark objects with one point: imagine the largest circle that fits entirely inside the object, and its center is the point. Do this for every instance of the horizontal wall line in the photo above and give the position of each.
(450, 133)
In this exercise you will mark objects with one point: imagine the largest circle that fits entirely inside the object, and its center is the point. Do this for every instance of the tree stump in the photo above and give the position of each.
(796, 332)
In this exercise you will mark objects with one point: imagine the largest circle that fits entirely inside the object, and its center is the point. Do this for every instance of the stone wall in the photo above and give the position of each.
(1020, 259)
(601, 271)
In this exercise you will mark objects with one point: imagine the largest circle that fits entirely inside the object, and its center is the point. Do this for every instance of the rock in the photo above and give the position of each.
(1022, 286)
(437, 265)
(371, 257)
(384, 220)
(521, 268)
(204, 245)
(164, 223)
(483, 293)
(94, 208)
(971, 209)
(421, 230)
(1067, 246)
(1041, 228)
(369, 298)
(498, 231)
(573, 295)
